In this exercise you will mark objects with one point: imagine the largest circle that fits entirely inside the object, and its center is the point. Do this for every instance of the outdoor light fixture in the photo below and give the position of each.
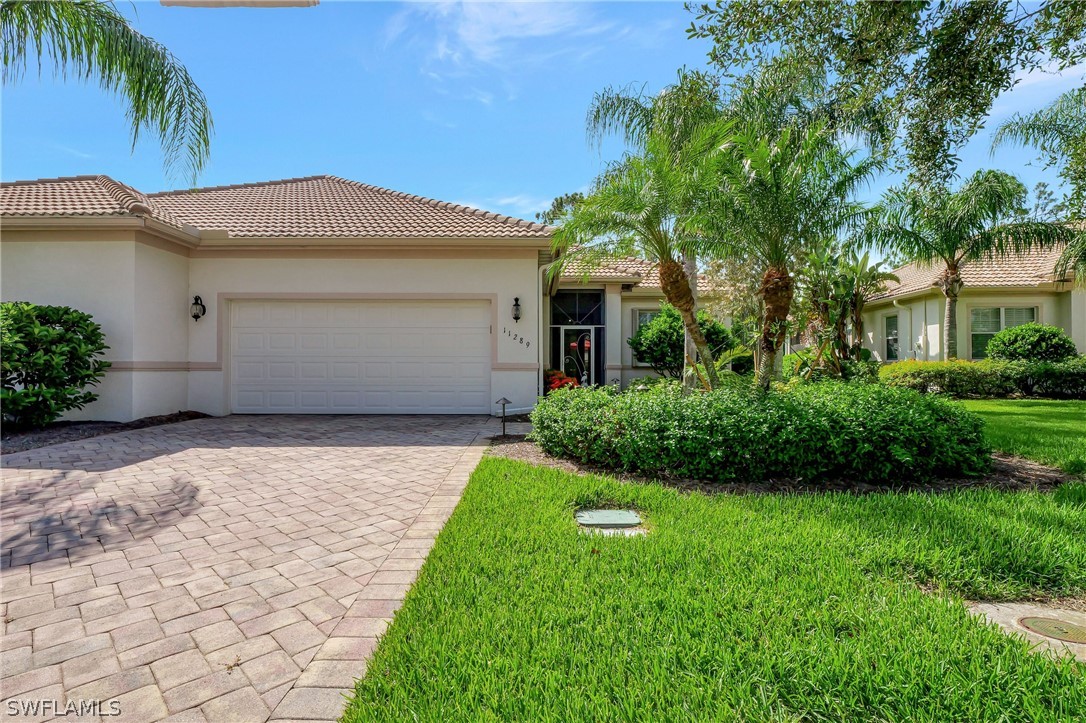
(503, 401)
(516, 308)
(197, 309)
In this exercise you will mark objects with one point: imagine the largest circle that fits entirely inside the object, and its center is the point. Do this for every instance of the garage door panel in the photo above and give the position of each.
(360, 357)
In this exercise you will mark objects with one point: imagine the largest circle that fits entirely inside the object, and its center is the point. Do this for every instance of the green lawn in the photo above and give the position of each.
(1044, 430)
(753, 608)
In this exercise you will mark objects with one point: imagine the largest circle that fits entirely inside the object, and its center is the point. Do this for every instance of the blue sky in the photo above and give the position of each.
(476, 103)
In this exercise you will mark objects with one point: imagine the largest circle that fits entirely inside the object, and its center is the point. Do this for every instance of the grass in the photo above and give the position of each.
(1044, 430)
(752, 608)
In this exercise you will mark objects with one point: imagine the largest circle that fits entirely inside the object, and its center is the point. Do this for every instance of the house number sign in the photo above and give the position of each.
(517, 337)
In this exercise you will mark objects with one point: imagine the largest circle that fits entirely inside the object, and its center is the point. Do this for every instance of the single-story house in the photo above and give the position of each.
(314, 295)
(906, 320)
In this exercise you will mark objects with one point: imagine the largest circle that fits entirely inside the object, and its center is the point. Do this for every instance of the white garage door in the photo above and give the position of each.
(360, 357)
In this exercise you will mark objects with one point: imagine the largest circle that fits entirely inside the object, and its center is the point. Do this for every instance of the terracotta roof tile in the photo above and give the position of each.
(1027, 270)
(647, 273)
(327, 206)
(318, 206)
(79, 196)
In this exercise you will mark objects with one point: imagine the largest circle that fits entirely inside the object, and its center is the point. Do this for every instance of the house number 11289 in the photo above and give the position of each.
(516, 337)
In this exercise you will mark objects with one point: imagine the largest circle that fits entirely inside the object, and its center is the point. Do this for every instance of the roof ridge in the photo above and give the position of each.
(471, 210)
(129, 198)
(33, 181)
(231, 186)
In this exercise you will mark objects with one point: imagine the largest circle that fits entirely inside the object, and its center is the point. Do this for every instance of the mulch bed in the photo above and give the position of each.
(20, 440)
(1008, 473)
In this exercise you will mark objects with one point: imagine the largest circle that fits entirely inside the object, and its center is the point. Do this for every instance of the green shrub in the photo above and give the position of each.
(1031, 342)
(49, 358)
(990, 378)
(798, 365)
(659, 343)
(861, 432)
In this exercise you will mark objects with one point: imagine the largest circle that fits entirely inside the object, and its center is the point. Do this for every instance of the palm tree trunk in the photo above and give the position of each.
(777, 291)
(951, 285)
(690, 350)
(950, 327)
(857, 329)
(676, 287)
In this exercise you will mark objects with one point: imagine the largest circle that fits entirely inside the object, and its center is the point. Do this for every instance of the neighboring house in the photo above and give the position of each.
(322, 295)
(906, 321)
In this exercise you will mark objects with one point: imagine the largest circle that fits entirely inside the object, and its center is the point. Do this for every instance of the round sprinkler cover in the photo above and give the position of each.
(1055, 628)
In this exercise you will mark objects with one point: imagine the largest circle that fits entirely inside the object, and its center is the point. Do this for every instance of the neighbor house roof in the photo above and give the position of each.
(639, 272)
(1028, 270)
(313, 207)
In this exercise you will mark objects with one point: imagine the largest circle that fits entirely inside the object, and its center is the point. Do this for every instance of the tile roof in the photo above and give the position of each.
(646, 273)
(79, 196)
(327, 206)
(317, 206)
(1027, 270)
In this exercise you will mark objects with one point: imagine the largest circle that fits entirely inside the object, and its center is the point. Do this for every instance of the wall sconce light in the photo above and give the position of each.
(516, 308)
(197, 309)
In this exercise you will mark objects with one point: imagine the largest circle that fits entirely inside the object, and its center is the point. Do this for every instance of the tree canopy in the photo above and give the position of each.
(937, 66)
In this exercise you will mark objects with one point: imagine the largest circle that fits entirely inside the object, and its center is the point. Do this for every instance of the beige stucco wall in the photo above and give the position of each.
(139, 288)
(92, 272)
(920, 319)
(514, 372)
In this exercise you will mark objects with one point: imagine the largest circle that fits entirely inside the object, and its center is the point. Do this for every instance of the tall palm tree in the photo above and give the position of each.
(644, 204)
(775, 197)
(89, 39)
(939, 226)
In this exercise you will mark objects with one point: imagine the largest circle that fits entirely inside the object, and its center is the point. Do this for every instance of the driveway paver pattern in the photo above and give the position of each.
(229, 569)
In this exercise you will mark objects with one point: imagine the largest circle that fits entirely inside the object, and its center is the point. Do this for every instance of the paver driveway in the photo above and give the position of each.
(226, 569)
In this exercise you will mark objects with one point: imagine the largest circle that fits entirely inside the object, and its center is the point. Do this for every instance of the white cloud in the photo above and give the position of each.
(523, 204)
(1051, 75)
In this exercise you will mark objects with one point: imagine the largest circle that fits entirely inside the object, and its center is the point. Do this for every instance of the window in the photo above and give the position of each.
(890, 332)
(986, 322)
(642, 317)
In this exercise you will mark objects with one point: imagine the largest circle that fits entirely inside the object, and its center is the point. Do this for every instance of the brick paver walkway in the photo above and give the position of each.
(228, 569)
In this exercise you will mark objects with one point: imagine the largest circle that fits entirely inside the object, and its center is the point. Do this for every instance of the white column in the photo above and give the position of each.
(613, 341)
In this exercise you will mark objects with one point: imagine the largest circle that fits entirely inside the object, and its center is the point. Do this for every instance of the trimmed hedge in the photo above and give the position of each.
(990, 378)
(862, 432)
(1032, 342)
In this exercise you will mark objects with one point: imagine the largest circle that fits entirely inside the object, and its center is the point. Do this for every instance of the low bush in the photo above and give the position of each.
(862, 432)
(50, 357)
(990, 378)
(1031, 342)
(801, 364)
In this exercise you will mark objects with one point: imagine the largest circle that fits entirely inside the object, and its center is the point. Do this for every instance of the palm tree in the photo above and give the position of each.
(644, 204)
(865, 279)
(1058, 131)
(775, 197)
(938, 226)
(90, 39)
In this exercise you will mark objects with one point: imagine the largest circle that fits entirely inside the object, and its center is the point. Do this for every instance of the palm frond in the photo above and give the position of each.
(90, 40)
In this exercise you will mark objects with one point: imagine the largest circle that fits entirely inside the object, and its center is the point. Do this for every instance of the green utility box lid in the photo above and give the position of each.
(608, 519)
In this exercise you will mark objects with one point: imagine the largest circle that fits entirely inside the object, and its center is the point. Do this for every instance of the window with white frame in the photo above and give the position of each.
(986, 322)
(640, 318)
(891, 335)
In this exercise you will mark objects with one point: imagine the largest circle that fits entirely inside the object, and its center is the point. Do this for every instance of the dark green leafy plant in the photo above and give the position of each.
(50, 357)
(862, 432)
(990, 378)
(659, 343)
(1031, 342)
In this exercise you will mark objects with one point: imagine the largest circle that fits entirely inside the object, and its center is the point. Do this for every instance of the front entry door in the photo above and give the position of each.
(579, 348)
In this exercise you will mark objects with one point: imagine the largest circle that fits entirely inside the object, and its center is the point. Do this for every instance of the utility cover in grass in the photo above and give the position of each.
(608, 519)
